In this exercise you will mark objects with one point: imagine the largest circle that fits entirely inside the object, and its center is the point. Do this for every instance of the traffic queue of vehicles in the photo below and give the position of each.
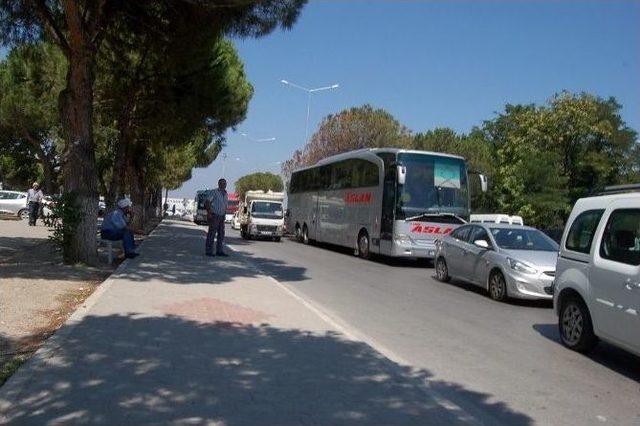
(416, 204)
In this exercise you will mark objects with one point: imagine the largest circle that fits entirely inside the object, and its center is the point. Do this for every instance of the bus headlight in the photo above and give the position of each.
(403, 239)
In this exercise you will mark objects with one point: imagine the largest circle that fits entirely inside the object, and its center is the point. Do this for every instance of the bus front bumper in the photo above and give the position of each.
(408, 248)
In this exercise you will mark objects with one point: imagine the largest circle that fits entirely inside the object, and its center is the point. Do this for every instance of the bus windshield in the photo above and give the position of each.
(266, 210)
(433, 185)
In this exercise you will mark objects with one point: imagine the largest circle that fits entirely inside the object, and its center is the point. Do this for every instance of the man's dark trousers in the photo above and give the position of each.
(34, 209)
(216, 226)
(125, 235)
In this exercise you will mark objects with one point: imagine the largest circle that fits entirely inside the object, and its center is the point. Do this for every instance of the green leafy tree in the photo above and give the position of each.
(18, 171)
(264, 181)
(31, 78)
(160, 118)
(78, 28)
(548, 156)
(354, 128)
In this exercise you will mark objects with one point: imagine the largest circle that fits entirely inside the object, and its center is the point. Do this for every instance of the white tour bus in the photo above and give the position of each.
(387, 201)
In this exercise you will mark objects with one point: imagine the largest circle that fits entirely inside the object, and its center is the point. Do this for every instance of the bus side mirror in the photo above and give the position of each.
(402, 174)
(483, 183)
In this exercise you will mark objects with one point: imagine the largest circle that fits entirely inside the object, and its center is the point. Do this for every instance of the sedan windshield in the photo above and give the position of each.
(266, 210)
(523, 239)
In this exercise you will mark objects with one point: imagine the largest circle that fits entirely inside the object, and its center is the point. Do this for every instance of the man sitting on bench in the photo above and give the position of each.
(116, 228)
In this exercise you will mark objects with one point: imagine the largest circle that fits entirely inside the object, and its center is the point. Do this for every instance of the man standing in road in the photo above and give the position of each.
(34, 199)
(216, 205)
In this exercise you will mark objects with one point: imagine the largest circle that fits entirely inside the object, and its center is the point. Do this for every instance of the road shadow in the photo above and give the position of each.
(398, 262)
(605, 354)
(482, 292)
(128, 369)
(177, 257)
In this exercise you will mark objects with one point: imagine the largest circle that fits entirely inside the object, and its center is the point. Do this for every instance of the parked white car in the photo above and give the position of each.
(235, 221)
(14, 203)
(597, 286)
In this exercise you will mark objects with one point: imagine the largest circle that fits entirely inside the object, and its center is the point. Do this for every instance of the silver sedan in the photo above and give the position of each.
(506, 260)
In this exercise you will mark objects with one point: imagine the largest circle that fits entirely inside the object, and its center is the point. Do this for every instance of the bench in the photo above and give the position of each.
(109, 245)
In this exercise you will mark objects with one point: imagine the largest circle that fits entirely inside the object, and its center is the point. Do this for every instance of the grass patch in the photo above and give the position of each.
(10, 366)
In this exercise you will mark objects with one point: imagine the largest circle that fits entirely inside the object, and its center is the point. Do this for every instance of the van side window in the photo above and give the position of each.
(621, 239)
(582, 230)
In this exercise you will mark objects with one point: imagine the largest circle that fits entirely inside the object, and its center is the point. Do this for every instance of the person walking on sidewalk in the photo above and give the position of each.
(115, 228)
(216, 205)
(34, 199)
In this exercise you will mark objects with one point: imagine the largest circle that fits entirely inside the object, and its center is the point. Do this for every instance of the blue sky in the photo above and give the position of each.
(430, 64)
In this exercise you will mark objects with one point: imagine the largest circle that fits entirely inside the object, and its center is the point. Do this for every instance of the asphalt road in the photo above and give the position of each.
(500, 359)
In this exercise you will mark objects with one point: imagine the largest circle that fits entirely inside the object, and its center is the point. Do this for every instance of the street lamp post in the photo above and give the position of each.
(309, 93)
(258, 140)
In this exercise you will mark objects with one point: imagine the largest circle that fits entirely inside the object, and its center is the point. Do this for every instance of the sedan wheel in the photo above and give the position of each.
(576, 330)
(442, 272)
(498, 287)
(24, 214)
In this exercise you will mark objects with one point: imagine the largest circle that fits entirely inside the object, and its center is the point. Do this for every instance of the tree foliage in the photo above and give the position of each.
(548, 156)
(79, 28)
(354, 128)
(264, 181)
(31, 78)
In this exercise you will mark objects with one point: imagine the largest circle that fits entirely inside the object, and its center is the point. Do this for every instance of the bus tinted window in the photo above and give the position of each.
(354, 173)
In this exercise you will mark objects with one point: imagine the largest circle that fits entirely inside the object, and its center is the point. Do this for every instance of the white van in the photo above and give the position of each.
(597, 284)
(496, 218)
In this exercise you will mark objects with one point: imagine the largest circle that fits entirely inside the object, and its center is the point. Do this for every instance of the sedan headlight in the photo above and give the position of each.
(516, 265)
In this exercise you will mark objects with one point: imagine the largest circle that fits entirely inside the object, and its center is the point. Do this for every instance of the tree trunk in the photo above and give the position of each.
(138, 198)
(79, 160)
(50, 184)
(125, 140)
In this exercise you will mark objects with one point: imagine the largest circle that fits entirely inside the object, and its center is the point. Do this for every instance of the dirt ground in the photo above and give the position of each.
(37, 291)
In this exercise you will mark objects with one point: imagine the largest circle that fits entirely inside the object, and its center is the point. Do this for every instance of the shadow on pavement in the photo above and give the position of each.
(140, 370)
(180, 259)
(11, 247)
(35, 258)
(482, 292)
(612, 357)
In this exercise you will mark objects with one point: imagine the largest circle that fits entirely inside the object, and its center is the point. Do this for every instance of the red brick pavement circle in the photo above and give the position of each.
(210, 311)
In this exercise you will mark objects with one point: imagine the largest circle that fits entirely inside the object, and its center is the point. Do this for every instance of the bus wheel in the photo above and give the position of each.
(305, 234)
(298, 233)
(363, 245)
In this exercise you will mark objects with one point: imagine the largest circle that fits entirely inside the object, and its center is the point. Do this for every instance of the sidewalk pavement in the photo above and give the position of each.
(174, 337)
